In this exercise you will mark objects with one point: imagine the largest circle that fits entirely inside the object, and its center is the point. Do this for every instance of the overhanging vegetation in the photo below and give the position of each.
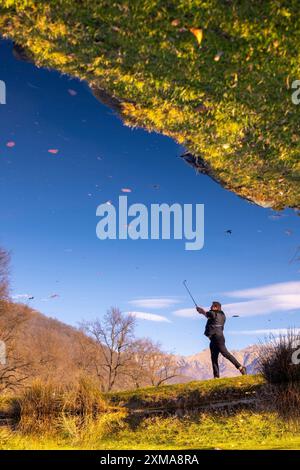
(215, 76)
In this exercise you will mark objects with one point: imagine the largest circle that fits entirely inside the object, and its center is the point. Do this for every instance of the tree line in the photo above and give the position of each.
(106, 349)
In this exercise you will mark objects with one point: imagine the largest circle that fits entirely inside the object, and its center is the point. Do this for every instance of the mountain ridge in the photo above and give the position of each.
(198, 366)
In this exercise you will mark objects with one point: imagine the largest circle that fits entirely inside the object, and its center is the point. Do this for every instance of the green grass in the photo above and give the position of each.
(244, 430)
(117, 428)
(190, 394)
(142, 53)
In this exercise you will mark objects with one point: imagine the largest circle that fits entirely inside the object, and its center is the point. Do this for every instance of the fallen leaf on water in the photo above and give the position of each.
(10, 144)
(275, 216)
(235, 80)
(198, 33)
(218, 56)
(72, 92)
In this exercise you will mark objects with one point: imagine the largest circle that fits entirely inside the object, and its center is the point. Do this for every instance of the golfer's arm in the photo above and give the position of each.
(201, 311)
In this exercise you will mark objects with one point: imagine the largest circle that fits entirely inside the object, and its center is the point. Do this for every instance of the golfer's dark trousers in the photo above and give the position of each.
(217, 346)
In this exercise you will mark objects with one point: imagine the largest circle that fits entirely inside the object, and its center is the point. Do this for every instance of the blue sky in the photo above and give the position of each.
(48, 221)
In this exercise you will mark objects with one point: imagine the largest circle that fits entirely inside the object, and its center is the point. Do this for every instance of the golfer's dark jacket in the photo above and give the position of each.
(215, 323)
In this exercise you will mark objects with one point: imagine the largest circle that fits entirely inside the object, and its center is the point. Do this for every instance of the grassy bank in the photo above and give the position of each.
(189, 395)
(117, 426)
(244, 430)
(216, 78)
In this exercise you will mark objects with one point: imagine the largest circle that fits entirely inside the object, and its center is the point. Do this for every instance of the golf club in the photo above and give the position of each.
(189, 292)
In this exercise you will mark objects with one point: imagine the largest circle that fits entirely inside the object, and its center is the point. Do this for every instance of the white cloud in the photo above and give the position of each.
(186, 313)
(282, 288)
(149, 316)
(267, 331)
(154, 302)
(21, 297)
(281, 297)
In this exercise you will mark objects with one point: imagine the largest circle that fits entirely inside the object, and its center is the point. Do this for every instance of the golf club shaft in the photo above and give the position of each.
(189, 292)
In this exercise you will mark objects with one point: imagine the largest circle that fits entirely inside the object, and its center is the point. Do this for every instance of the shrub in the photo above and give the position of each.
(40, 399)
(275, 359)
(84, 398)
(276, 364)
(42, 405)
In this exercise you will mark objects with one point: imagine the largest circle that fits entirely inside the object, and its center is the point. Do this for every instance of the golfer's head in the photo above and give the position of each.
(216, 306)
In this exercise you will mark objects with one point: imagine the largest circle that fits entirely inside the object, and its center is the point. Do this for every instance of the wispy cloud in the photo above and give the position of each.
(154, 302)
(186, 313)
(280, 297)
(284, 288)
(149, 316)
(265, 332)
(21, 297)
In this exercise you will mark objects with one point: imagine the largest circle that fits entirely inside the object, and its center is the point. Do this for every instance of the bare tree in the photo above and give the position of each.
(166, 367)
(161, 366)
(150, 365)
(14, 368)
(15, 364)
(89, 359)
(114, 336)
(138, 369)
(4, 262)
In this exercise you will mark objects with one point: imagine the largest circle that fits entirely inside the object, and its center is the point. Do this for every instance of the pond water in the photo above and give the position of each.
(62, 154)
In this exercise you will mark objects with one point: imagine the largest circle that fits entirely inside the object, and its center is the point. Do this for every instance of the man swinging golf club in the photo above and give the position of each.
(214, 331)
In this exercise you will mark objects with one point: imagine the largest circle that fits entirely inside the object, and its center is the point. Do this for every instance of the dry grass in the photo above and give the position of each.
(42, 405)
(277, 359)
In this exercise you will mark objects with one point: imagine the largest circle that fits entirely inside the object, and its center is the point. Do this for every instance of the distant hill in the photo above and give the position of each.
(39, 347)
(54, 351)
(198, 366)
(194, 367)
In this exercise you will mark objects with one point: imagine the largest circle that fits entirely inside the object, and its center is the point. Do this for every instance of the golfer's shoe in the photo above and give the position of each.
(243, 370)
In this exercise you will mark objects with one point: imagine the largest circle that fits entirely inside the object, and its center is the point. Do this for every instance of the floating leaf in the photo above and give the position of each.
(72, 92)
(198, 33)
(218, 56)
(10, 144)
